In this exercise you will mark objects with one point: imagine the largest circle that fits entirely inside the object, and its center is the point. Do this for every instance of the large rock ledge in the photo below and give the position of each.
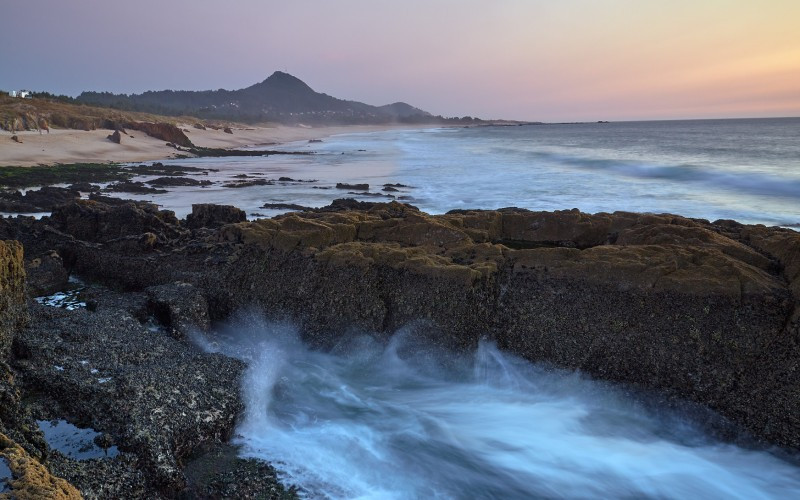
(699, 310)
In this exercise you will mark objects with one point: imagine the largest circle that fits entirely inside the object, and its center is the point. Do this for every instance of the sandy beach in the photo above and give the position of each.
(76, 146)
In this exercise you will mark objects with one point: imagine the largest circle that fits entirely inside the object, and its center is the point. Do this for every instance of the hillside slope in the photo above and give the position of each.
(280, 98)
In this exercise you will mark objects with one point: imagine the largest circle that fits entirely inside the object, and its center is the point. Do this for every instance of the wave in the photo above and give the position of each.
(751, 183)
(408, 419)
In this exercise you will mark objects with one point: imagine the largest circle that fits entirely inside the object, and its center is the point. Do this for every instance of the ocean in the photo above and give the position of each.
(410, 420)
(746, 170)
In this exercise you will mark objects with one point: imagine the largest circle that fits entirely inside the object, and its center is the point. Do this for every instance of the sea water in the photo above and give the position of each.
(747, 170)
(405, 419)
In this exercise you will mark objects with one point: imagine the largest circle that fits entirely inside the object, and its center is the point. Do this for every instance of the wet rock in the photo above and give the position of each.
(178, 181)
(84, 187)
(46, 274)
(180, 307)
(116, 137)
(367, 193)
(39, 200)
(352, 187)
(158, 398)
(95, 221)
(219, 473)
(285, 206)
(242, 184)
(390, 189)
(105, 478)
(208, 215)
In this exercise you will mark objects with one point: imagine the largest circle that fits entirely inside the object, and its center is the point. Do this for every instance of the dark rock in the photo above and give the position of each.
(227, 130)
(180, 307)
(40, 200)
(396, 185)
(242, 184)
(16, 138)
(220, 473)
(702, 311)
(84, 186)
(115, 137)
(354, 187)
(390, 189)
(157, 397)
(178, 181)
(199, 126)
(367, 193)
(94, 221)
(285, 206)
(46, 274)
(208, 215)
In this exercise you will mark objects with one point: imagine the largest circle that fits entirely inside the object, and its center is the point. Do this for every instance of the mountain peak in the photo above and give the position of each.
(282, 80)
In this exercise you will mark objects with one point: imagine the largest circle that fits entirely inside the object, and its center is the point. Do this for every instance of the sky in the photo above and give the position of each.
(545, 60)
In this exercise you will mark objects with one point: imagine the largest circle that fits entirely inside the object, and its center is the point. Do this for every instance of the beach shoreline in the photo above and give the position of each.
(61, 146)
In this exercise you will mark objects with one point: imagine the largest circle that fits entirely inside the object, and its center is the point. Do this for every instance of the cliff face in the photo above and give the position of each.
(704, 311)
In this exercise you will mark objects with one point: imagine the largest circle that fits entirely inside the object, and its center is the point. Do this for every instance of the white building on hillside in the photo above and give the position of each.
(22, 94)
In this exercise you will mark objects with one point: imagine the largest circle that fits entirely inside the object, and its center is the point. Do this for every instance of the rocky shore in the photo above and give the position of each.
(699, 311)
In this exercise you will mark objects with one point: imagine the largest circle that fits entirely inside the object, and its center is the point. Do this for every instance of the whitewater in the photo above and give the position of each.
(402, 418)
(745, 170)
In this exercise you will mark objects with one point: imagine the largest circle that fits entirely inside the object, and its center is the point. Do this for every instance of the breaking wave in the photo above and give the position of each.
(405, 419)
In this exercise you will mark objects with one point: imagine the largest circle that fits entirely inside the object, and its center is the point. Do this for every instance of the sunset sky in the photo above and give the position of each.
(547, 60)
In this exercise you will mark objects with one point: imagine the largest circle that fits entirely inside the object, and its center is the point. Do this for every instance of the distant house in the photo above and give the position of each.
(22, 94)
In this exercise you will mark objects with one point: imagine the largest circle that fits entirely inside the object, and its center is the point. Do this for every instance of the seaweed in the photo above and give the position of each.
(18, 177)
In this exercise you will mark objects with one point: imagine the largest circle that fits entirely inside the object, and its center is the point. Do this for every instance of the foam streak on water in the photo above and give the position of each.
(407, 420)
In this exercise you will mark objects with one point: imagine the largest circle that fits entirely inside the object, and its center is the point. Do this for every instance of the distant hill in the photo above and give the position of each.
(280, 98)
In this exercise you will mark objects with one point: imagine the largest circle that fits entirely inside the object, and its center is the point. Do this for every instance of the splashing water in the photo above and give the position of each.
(408, 420)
